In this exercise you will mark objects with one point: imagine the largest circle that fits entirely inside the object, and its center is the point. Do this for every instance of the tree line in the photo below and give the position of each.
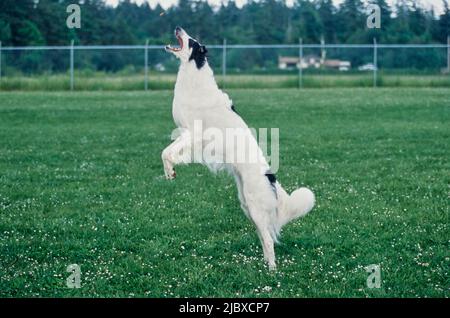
(43, 22)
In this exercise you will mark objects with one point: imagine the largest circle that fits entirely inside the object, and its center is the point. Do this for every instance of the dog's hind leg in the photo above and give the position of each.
(240, 189)
(261, 204)
(267, 243)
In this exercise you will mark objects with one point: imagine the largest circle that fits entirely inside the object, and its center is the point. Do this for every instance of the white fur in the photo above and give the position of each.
(197, 97)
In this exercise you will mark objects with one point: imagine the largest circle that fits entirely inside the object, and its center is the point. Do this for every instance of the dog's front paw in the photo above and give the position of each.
(170, 174)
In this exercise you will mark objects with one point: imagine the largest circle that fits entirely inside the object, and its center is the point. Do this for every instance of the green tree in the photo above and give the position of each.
(327, 14)
(444, 23)
(5, 32)
(352, 21)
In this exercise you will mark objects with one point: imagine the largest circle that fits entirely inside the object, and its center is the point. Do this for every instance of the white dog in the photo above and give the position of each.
(198, 99)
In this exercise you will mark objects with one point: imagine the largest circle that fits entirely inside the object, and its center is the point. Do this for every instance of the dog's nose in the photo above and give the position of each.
(178, 29)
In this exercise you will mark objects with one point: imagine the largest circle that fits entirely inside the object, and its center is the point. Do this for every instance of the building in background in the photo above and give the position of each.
(313, 62)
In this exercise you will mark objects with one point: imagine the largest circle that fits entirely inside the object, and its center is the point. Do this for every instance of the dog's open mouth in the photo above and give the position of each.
(176, 48)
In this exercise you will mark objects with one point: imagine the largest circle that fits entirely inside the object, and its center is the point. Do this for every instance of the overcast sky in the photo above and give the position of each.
(437, 4)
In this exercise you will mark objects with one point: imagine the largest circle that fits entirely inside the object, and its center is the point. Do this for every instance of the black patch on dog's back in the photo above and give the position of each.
(271, 177)
(198, 53)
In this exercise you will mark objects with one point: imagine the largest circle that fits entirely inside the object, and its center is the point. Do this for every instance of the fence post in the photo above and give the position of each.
(224, 61)
(0, 61)
(448, 53)
(375, 62)
(300, 59)
(146, 65)
(71, 65)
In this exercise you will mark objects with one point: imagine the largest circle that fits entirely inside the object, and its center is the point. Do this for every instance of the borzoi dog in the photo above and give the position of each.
(198, 99)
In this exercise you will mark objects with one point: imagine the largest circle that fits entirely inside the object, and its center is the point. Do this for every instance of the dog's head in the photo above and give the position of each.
(189, 49)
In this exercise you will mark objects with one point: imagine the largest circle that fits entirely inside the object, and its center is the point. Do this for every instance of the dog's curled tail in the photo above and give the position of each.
(293, 206)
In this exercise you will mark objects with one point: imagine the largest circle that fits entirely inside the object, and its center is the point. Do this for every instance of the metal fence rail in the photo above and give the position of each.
(225, 47)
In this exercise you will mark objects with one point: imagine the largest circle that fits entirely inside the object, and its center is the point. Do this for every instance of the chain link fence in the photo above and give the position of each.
(147, 67)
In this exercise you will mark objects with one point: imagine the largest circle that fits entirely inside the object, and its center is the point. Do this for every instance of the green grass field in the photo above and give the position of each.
(81, 182)
(98, 81)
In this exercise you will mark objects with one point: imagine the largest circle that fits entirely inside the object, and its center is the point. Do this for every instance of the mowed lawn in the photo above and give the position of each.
(81, 182)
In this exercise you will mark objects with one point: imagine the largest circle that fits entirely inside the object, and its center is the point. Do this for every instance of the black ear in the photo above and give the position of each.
(198, 54)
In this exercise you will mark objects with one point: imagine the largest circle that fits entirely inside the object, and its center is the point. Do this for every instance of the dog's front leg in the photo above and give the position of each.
(177, 152)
